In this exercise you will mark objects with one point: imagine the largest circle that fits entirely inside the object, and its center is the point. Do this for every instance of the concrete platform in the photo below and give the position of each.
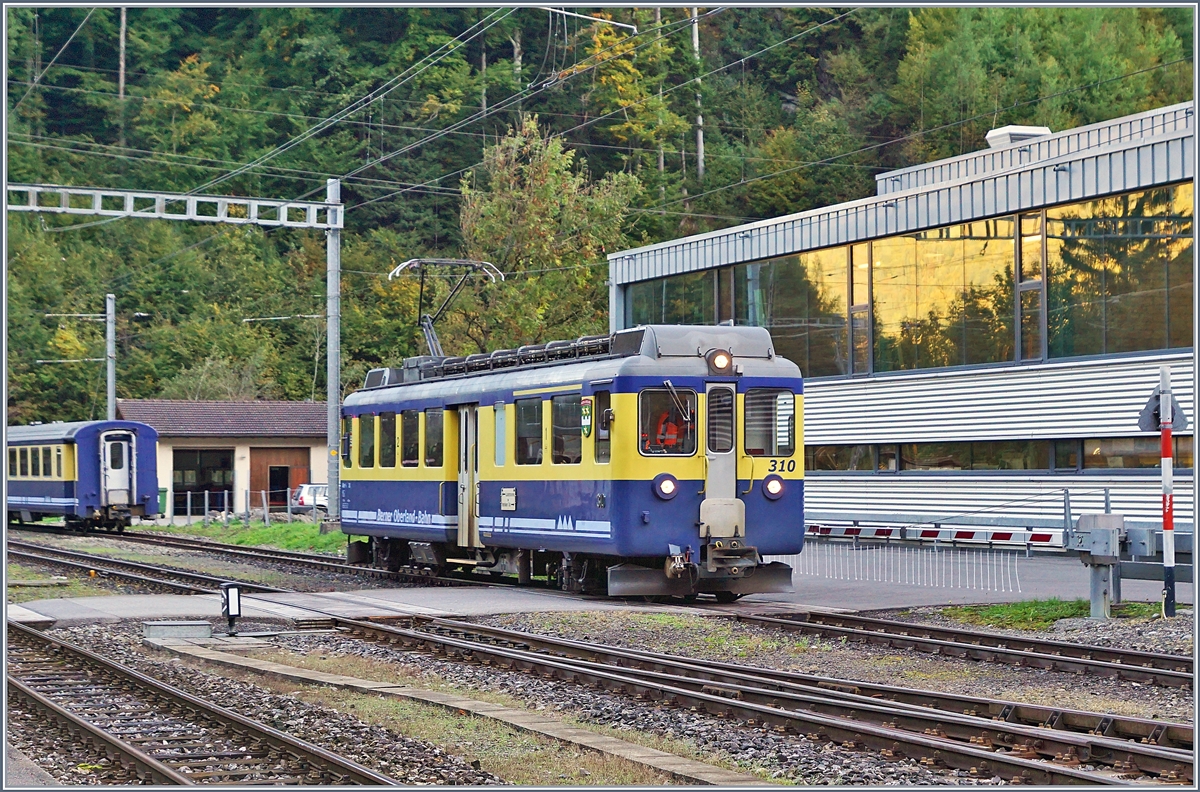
(1040, 577)
(23, 615)
(21, 773)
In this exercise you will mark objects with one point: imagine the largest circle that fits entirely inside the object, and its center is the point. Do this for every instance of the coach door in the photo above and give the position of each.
(722, 513)
(468, 476)
(116, 463)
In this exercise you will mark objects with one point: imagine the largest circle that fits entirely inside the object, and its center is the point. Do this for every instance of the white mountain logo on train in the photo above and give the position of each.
(564, 523)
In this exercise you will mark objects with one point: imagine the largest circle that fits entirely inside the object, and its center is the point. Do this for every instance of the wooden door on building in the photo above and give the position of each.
(261, 462)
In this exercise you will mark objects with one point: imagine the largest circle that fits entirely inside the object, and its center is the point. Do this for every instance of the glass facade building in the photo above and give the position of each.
(1094, 277)
(984, 328)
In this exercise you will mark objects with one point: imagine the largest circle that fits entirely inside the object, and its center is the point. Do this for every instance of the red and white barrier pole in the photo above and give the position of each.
(1168, 503)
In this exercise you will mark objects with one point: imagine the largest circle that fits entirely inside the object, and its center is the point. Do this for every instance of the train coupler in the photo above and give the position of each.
(731, 557)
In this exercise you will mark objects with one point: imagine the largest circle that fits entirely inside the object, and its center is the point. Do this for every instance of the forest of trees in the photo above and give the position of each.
(537, 141)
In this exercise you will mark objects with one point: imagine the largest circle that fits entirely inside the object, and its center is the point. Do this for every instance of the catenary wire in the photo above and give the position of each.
(61, 49)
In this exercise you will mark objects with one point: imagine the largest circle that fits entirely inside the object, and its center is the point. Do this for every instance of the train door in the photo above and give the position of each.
(722, 513)
(468, 476)
(116, 466)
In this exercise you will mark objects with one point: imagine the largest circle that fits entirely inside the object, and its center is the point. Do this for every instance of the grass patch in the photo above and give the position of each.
(299, 535)
(1041, 614)
(381, 671)
(76, 587)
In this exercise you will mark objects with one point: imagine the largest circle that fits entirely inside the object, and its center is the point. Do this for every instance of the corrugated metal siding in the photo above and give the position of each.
(990, 161)
(1096, 398)
(1126, 165)
(1138, 497)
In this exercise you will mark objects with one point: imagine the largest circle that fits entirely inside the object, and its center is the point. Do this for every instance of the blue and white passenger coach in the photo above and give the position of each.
(94, 474)
(661, 460)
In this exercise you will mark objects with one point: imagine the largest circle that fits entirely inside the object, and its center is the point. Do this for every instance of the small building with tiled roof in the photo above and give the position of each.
(233, 449)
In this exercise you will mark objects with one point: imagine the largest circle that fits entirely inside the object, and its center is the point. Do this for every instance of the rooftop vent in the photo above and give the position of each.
(1015, 133)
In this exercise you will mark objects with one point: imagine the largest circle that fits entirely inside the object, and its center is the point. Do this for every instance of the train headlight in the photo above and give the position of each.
(773, 487)
(665, 486)
(720, 362)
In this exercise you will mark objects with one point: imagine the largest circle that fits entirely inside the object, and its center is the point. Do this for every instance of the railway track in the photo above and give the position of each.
(934, 728)
(160, 734)
(175, 580)
(1147, 667)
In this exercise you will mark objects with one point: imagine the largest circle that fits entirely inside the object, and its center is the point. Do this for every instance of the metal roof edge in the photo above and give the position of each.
(615, 259)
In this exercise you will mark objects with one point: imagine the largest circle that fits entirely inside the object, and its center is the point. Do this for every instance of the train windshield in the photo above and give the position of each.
(770, 422)
(667, 422)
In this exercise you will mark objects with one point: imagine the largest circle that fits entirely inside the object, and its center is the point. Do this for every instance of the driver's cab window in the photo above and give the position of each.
(667, 422)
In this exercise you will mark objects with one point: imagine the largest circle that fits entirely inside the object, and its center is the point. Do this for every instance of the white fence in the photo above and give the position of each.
(970, 569)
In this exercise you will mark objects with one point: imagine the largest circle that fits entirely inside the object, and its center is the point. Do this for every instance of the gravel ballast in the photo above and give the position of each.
(715, 638)
(408, 760)
(787, 758)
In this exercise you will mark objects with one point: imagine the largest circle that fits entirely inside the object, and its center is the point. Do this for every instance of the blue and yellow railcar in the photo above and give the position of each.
(662, 460)
(93, 474)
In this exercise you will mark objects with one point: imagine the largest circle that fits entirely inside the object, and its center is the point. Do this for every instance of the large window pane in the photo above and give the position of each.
(387, 439)
(567, 430)
(1122, 452)
(529, 431)
(1120, 274)
(1031, 324)
(802, 300)
(839, 457)
(770, 422)
(679, 299)
(410, 438)
(1011, 455)
(944, 297)
(1183, 452)
(935, 456)
(667, 422)
(434, 442)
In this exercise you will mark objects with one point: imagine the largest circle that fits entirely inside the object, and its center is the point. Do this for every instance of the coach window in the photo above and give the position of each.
(501, 432)
(770, 422)
(47, 466)
(433, 437)
(24, 461)
(58, 462)
(12, 462)
(410, 438)
(35, 467)
(366, 441)
(566, 430)
(347, 441)
(387, 439)
(667, 422)
(601, 404)
(887, 459)
(529, 431)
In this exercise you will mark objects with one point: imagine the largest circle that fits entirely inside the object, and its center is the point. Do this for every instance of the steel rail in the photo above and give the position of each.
(981, 648)
(145, 767)
(121, 564)
(746, 684)
(1144, 730)
(1157, 660)
(894, 742)
(314, 760)
(182, 588)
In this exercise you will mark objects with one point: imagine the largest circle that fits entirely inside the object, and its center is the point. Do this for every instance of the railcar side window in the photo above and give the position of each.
(58, 462)
(770, 422)
(501, 432)
(600, 406)
(35, 467)
(47, 463)
(433, 437)
(366, 441)
(720, 420)
(566, 430)
(12, 462)
(387, 439)
(529, 431)
(667, 422)
(347, 440)
(24, 461)
(410, 443)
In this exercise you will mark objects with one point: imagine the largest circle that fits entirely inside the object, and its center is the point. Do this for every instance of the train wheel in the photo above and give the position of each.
(725, 597)
(690, 598)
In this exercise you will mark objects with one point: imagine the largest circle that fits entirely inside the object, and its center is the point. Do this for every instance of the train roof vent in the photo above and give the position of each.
(375, 378)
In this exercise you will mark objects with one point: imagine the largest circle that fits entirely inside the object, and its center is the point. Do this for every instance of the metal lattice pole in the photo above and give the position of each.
(333, 313)
(110, 342)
